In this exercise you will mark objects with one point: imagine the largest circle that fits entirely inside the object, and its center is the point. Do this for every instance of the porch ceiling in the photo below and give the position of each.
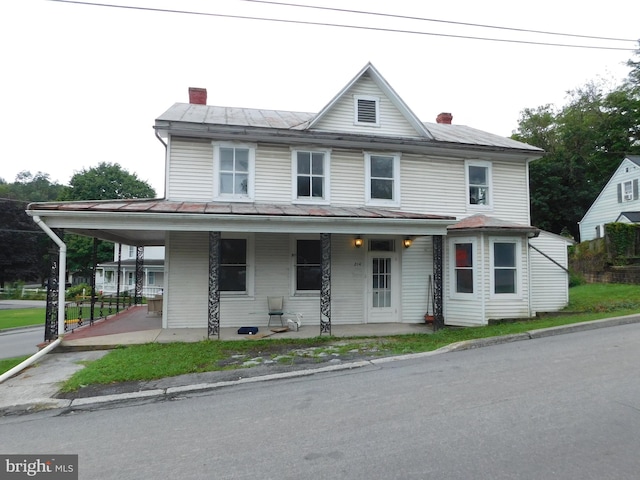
(145, 222)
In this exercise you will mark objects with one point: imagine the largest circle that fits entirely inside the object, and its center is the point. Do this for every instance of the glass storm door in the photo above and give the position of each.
(382, 291)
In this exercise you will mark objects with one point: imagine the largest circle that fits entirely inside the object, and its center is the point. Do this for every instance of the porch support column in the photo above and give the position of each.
(51, 314)
(94, 268)
(139, 275)
(118, 278)
(325, 288)
(213, 321)
(438, 313)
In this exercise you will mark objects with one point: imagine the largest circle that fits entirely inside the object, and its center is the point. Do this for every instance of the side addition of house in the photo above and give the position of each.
(361, 213)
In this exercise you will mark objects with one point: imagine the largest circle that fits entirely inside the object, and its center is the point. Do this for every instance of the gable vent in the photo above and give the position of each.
(367, 111)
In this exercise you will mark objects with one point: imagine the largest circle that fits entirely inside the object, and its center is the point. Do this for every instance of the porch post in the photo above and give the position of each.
(94, 262)
(213, 320)
(325, 288)
(51, 315)
(438, 317)
(139, 274)
(118, 277)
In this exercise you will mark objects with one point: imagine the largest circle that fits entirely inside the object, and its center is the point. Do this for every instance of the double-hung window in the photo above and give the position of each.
(628, 191)
(233, 265)
(504, 254)
(311, 176)
(383, 179)
(463, 278)
(234, 171)
(478, 175)
(308, 266)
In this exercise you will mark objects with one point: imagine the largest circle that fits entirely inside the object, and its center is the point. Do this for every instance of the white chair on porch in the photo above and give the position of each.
(275, 308)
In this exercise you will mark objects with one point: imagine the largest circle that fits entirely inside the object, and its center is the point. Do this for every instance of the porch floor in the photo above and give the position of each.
(136, 326)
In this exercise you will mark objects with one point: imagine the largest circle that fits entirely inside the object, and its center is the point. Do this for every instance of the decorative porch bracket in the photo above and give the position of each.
(139, 275)
(213, 320)
(51, 315)
(438, 317)
(325, 288)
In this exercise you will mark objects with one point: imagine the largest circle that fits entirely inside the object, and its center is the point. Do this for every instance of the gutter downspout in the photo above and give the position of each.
(62, 267)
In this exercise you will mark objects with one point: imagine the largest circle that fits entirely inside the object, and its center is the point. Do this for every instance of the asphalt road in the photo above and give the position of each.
(564, 407)
(14, 343)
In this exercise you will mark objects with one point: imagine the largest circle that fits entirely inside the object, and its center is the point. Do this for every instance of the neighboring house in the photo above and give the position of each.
(152, 271)
(617, 202)
(360, 213)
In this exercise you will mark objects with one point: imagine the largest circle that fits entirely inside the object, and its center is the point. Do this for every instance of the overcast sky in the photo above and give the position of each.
(83, 84)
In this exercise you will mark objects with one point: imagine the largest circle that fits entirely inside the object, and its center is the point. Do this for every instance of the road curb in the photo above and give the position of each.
(159, 394)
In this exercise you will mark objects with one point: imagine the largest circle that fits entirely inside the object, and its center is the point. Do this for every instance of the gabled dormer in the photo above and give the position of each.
(368, 105)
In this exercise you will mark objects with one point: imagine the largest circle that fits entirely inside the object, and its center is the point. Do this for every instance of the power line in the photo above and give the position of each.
(450, 22)
(326, 24)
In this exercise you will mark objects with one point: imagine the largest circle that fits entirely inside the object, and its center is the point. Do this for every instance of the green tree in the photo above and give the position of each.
(23, 246)
(105, 182)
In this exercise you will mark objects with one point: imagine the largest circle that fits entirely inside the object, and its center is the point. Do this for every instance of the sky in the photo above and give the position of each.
(82, 84)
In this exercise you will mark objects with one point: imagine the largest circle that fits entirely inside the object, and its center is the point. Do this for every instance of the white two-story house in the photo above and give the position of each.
(359, 213)
(618, 201)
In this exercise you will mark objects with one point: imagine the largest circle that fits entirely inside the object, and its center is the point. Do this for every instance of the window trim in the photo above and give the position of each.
(217, 195)
(326, 167)
(489, 166)
(293, 247)
(395, 201)
(250, 259)
(475, 267)
(518, 267)
(372, 98)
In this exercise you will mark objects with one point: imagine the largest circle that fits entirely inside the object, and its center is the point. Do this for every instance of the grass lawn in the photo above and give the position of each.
(152, 361)
(21, 317)
(7, 364)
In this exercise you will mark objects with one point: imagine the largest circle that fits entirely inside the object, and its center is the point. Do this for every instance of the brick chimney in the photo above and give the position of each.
(198, 96)
(444, 118)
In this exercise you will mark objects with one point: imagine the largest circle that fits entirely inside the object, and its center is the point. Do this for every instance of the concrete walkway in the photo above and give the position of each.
(35, 388)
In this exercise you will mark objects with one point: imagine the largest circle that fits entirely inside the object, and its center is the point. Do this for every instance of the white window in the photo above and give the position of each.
(307, 256)
(234, 171)
(151, 278)
(479, 188)
(130, 278)
(628, 191)
(132, 252)
(310, 181)
(505, 262)
(367, 110)
(383, 179)
(463, 251)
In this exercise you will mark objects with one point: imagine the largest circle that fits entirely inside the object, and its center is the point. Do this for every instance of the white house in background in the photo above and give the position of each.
(617, 202)
(360, 213)
(153, 271)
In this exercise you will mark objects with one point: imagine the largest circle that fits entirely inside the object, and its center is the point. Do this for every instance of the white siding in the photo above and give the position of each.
(605, 208)
(510, 192)
(186, 292)
(273, 174)
(347, 178)
(417, 266)
(190, 172)
(341, 118)
(549, 282)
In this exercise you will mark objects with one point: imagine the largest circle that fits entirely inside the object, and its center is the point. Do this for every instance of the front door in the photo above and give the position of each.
(382, 290)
